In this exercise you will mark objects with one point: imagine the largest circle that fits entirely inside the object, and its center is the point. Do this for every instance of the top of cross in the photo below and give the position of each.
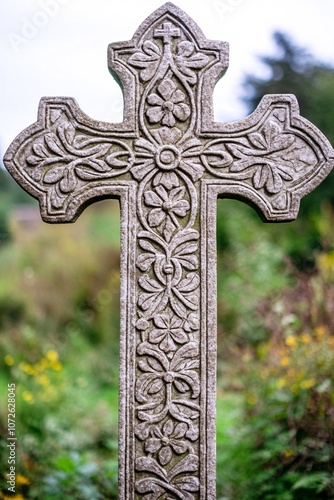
(168, 72)
(167, 32)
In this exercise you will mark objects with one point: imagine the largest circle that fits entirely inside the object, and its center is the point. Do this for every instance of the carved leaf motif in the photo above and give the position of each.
(216, 158)
(68, 182)
(169, 483)
(54, 144)
(54, 174)
(155, 387)
(150, 465)
(188, 483)
(184, 294)
(147, 59)
(187, 464)
(190, 283)
(63, 159)
(257, 140)
(187, 61)
(277, 156)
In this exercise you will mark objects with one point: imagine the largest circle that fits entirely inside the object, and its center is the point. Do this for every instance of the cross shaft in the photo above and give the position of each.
(168, 163)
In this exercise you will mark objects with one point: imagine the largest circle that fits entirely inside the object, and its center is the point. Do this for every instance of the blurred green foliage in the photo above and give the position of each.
(275, 408)
(59, 324)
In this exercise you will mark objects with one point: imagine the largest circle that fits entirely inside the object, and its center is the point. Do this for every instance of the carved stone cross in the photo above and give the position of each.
(167, 163)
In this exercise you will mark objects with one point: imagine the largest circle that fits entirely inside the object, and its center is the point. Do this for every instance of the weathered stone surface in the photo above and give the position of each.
(167, 163)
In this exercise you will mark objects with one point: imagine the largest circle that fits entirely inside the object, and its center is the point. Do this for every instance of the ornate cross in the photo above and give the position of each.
(167, 163)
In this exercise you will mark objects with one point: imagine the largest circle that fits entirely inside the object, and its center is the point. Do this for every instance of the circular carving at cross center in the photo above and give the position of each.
(168, 158)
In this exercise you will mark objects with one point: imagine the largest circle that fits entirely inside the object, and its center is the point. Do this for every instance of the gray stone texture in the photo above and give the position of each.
(167, 163)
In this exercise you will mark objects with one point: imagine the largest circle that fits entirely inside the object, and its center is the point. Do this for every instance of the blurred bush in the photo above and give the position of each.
(59, 343)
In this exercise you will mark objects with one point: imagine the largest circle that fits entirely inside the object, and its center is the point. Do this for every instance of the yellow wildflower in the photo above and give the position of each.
(27, 368)
(307, 384)
(291, 341)
(320, 331)
(52, 355)
(281, 382)
(288, 454)
(57, 366)
(43, 379)
(285, 361)
(294, 387)
(41, 365)
(27, 396)
(306, 338)
(20, 479)
(18, 496)
(251, 399)
(9, 360)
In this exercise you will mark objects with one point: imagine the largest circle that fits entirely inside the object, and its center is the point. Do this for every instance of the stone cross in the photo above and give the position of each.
(167, 163)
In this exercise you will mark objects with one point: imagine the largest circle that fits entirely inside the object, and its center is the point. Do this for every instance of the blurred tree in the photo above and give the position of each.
(295, 71)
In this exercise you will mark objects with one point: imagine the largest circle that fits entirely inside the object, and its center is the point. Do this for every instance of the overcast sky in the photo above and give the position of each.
(58, 48)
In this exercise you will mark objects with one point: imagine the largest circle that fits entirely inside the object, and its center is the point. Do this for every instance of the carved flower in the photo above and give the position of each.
(166, 157)
(166, 206)
(168, 332)
(167, 441)
(168, 105)
(187, 60)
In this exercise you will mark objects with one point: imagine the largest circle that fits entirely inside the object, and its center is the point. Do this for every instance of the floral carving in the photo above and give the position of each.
(182, 253)
(162, 482)
(158, 389)
(168, 333)
(166, 208)
(271, 157)
(167, 105)
(63, 159)
(167, 440)
(167, 165)
(179, 293)
(166, 155)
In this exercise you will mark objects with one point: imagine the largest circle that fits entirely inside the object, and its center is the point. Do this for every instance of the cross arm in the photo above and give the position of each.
(67, 160)
(270, 159)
